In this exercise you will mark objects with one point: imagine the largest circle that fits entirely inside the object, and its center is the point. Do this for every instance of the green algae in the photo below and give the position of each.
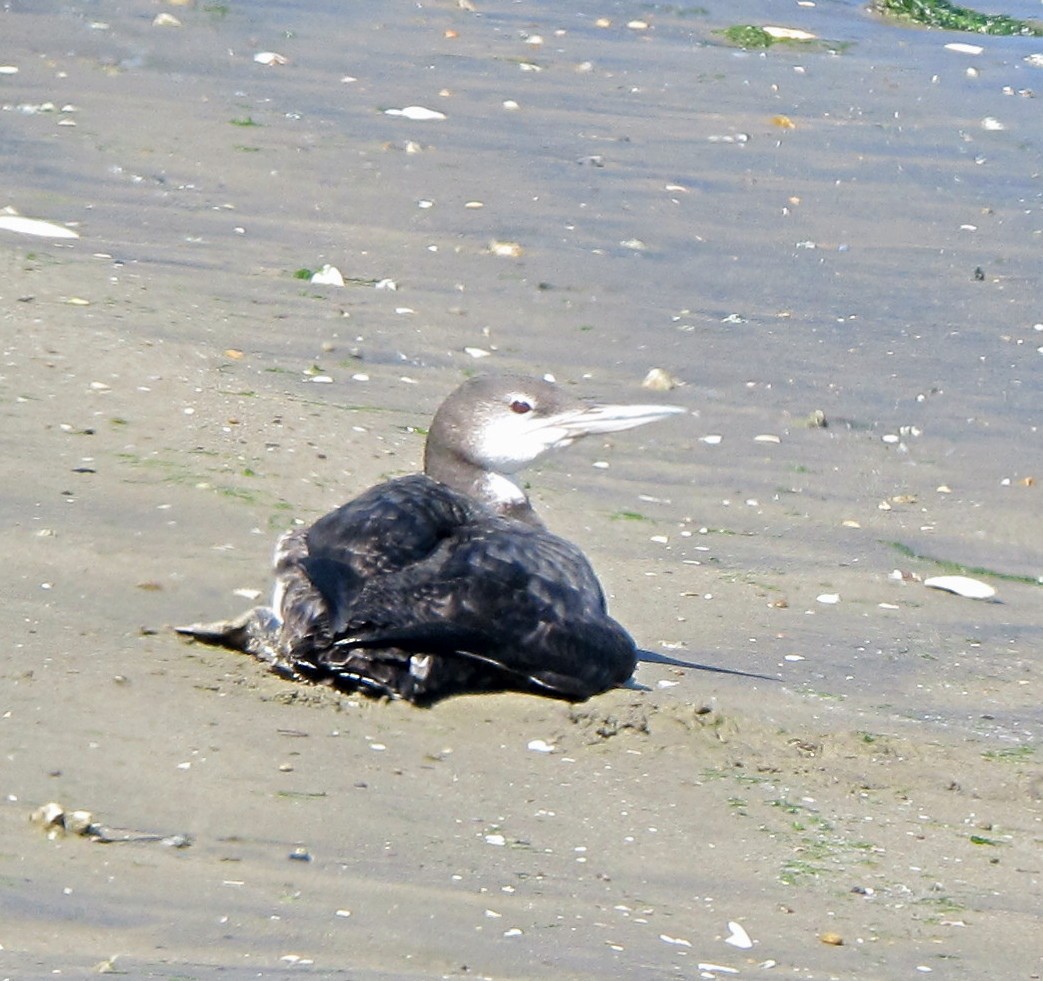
(950, 17)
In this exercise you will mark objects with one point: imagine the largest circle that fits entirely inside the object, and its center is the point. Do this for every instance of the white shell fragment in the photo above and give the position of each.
(34, 226)
(969, 49)
(788, 34)
(48, 815)
(506, 250)
(961, 586)
(328, 276)
(271, 58)
(830, 599)
(419, 114)
(738, 937)
(660, 380)
(678, 941)
(540, 746)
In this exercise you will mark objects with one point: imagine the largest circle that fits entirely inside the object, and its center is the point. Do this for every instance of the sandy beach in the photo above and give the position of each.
(846, 780)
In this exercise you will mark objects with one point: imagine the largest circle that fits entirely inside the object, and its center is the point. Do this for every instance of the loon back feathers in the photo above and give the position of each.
(501, 603)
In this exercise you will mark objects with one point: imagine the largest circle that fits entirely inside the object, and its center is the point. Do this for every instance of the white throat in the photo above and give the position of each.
(501, 493)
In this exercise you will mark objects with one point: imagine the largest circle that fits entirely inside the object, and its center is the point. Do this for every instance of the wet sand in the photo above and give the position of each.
(786, 232)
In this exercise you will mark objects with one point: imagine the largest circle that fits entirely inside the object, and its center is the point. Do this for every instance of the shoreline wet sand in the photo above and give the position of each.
(786, 232)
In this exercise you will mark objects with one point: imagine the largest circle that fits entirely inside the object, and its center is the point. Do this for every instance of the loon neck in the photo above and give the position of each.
(495, 490)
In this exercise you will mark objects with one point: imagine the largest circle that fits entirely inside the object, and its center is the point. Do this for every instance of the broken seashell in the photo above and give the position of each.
(48, 815)
(739, 937)
(961, 586)
(78, 822)
(678, 941)
(660, 380)
(788, 34)
(270, 58)
(419, 114)
(35, 226)
(508, 250)
(328, 276)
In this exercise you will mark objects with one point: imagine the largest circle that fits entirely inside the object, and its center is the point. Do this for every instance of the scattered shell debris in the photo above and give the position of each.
(418, 114)
(35, 226)
(961, 586)
(56, 821)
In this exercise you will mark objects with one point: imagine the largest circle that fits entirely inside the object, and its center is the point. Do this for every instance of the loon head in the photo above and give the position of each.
(494, 425)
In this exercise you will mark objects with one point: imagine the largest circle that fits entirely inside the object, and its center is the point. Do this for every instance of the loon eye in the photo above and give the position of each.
(521, 406)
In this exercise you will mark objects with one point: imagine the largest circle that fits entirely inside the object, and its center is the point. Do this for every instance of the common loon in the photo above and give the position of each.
(447, 582)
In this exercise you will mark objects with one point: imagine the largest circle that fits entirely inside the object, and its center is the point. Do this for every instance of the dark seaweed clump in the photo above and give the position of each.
(949, 17)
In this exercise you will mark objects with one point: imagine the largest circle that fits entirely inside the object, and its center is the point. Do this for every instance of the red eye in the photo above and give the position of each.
(521, 406)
